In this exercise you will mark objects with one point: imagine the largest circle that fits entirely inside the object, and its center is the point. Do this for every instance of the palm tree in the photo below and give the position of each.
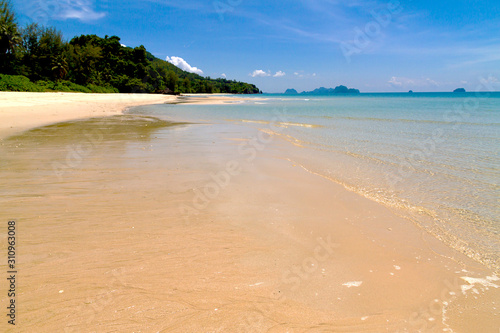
(9, 35)
(59, 67)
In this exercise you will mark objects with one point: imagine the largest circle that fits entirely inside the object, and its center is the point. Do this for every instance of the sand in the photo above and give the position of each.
(130, 223)
(20, 111)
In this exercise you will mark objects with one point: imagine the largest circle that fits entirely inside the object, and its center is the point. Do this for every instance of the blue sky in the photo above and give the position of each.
(371, 45)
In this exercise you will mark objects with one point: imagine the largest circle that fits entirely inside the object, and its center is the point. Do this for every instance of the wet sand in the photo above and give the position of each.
(20, 111)
(131, 223)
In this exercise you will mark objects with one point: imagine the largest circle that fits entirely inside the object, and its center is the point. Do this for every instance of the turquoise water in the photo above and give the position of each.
(431, 157)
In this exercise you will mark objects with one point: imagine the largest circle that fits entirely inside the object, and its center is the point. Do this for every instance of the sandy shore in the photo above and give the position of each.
(20, 111)
(131, 223)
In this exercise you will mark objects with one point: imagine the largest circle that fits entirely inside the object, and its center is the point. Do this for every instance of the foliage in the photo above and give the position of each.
(18, 83)
(22, 83)
(89, 63)
(9, 36)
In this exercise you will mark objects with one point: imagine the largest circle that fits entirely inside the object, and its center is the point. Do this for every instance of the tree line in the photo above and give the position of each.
(37, 58)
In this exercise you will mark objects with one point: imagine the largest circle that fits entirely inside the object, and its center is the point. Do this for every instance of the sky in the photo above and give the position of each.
(371, 45)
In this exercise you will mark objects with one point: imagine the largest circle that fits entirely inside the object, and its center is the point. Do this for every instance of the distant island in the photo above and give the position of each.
(410, 92)
(459, 90)
(37, 58)
(324, 91)
(291, 92)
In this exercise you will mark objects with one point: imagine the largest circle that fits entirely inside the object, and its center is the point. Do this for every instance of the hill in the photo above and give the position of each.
(291, 92)
(37, 58)
(325, 91)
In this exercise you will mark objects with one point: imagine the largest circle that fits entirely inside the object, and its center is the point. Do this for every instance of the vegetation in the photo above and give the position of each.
(325, 91)
(37, 58)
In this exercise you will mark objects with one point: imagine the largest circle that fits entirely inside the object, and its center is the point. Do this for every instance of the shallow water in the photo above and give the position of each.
(434, 158)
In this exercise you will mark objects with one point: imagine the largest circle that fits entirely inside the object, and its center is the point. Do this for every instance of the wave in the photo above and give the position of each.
(276, 123)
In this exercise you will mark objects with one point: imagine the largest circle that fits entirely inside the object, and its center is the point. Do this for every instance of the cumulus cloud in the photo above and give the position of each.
(182, 64)
(223, 75)
(260, 73)
(279, 74)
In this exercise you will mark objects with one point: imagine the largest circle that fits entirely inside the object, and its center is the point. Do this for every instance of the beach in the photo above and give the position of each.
(20, 111)
(130, 221)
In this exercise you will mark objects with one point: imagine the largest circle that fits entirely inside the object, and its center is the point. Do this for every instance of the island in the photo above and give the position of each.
(459, 90)
(325, 91)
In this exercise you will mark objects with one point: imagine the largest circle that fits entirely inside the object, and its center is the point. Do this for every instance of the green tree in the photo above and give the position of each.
(83, 63)
(9, 37)
(59, 67)
(186, 85)
(171, 80)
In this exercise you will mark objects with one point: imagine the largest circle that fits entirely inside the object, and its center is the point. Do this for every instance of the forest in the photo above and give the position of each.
(38, 58)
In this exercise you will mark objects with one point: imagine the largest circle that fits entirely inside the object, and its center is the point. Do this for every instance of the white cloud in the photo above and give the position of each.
(491, 83)
(223, 75)
(407, 83)
(123, 45)
(80, 10)
(182, 64)
(491, 79)
(260, 73)
(394, 82)
(279, 74)
(432, 82)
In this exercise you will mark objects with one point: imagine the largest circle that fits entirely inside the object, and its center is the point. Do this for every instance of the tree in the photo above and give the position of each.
(171, 80)
(30, 43)
(186, 86)
(59, 67)
(9, 36)
(83, 63)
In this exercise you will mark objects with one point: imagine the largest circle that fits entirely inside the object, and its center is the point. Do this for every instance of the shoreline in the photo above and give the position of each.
(21, 111)
(269, 246)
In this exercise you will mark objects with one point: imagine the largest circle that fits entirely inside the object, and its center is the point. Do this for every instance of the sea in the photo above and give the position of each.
(432, 158)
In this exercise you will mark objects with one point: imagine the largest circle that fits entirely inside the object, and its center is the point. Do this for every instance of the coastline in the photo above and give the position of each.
(276, 248)
(20, 111)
